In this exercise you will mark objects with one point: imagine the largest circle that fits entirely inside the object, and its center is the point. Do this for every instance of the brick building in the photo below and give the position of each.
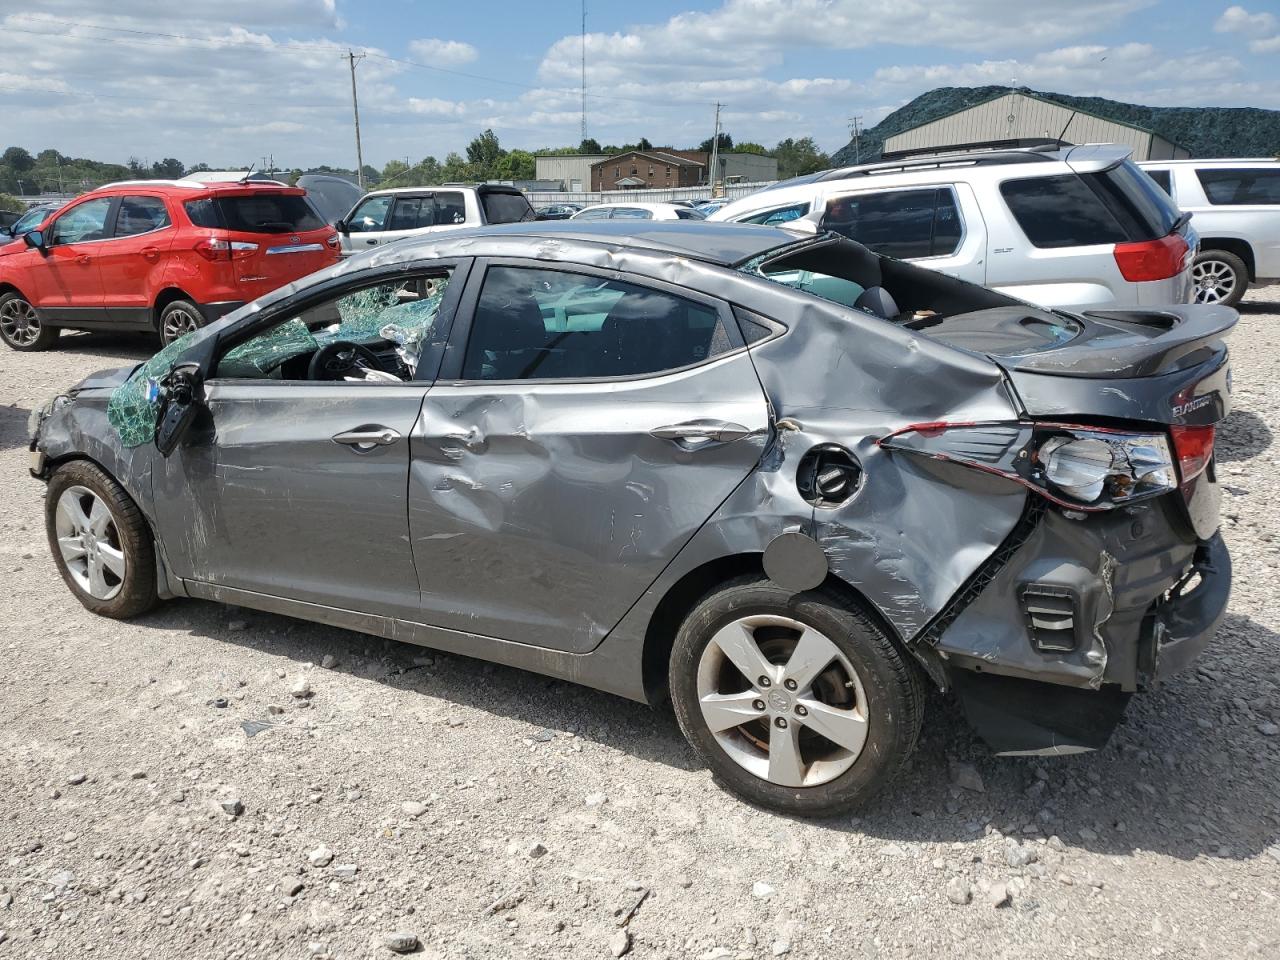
(649, 169)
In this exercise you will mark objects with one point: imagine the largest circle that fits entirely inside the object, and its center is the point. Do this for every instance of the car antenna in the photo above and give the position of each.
(1062, 142)
(248, 173)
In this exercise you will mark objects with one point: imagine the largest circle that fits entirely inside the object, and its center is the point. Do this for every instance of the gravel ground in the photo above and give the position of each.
(163, 794)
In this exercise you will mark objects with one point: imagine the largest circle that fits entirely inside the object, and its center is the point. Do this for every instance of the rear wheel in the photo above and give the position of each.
(178, 319)
(1219, 277)
(797, 702)
(21, 328)
(100, 541)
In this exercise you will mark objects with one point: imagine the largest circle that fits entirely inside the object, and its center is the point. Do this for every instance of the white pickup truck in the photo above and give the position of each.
(386, 215)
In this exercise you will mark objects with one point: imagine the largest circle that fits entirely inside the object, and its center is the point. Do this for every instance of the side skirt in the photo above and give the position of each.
(584, 668)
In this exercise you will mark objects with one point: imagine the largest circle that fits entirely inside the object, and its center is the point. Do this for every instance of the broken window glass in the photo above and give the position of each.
(134, 405)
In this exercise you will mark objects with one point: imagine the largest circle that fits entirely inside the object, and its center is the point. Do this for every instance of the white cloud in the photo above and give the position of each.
(434, 106)
(442, 53)
(1262, 29)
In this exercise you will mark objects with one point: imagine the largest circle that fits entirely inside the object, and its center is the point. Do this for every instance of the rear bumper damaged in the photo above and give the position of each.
(1075, 617)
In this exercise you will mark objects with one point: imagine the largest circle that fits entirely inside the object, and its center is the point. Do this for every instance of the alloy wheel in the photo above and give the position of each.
(90, 542)
(19, 322)
(178, 321)
(1214, 280)
(782, 701)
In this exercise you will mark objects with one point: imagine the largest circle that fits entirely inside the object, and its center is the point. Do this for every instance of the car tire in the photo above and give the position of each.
(1219, 277)
(178, 319)
(107, 558)
(869, 696)
(20, 328)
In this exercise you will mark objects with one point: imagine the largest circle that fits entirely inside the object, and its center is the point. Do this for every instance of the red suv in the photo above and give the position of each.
(157, 255)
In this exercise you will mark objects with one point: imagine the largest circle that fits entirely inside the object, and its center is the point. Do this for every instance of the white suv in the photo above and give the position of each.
(386, 215)
(1071, 227)
(1236, 204)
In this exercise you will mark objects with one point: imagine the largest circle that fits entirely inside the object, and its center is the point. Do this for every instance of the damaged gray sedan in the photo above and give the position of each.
(781, 480)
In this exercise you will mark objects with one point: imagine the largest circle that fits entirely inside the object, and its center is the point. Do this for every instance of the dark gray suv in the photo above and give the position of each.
(780, 479)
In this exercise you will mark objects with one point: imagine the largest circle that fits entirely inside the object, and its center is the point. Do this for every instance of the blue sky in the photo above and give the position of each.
(235, 80)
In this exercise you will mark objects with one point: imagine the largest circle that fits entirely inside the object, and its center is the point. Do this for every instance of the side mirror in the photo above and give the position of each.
(341, 226)
(182, 394)
(6, 231)
(35, 239)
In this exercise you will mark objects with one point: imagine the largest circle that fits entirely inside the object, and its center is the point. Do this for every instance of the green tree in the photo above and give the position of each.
(11, 204)
(17, 159)
(749, 147)
(484, 153)
(644, 144)
(456, 169)
(516, 165)
(428, 172)
(590, 145)
(168, 169)
(726, 143)
(395, 170)
(797, 157)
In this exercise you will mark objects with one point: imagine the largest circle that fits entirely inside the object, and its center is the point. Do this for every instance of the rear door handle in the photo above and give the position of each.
(150, 253)
(702, 431)
(366, 438)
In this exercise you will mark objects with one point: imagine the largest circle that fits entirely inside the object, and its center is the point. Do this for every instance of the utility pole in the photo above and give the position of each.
(58, 163)
(715, 152)
(584, 71)
(353, 59)
(855, 128)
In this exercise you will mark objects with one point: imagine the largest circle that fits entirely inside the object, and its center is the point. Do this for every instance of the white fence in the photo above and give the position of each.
(658, 195)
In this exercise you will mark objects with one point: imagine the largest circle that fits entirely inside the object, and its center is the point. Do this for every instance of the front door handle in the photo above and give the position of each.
(702, 431)
(82, 259)
(372, 243)
(364, 439)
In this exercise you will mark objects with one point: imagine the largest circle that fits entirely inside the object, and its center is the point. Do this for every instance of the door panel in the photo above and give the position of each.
(276, 506)
(70, 284)
(541, 511)
(132, 262)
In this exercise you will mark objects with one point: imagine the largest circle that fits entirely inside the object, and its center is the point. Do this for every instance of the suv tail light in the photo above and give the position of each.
(1151, 259)
(212, 249)
(1193, 447)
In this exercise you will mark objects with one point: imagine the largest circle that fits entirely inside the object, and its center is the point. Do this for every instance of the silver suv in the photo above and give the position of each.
(387, 215)
(1236, 204)
(1070, 227)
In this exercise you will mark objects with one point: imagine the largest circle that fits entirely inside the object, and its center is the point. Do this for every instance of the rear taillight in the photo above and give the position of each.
(1193, 447)
(1151, 259)
(332, 241)
(212, 249)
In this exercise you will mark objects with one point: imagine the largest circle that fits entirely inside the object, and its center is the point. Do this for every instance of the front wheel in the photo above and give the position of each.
(797, 702)
(1219, 277)
(100, 541)
(178, 319)
(21, 328)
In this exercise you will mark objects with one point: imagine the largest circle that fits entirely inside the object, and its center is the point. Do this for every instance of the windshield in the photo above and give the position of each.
(255, 213)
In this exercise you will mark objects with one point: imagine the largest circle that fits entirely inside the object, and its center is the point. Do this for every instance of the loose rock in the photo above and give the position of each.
(400, 942)
(959, 891)
(620, 943)
(413, 808)
(320, 857)
(966, 776)
(761, 890)
(232, 807)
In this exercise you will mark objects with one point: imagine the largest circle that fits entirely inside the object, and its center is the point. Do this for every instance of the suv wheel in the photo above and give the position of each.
(20, 328)
(100, 541)
(797, 702)
(1219, 277)
(178, 319)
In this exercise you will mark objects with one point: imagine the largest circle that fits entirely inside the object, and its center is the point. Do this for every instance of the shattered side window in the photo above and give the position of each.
(392, 318)
(135, 404)
(260, 355)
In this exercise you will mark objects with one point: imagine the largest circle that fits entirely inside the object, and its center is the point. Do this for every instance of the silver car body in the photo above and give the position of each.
(567, 526)
(1255, 227)
(992, 249)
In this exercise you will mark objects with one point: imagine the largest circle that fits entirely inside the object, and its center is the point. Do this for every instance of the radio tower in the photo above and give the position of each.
(584, 70)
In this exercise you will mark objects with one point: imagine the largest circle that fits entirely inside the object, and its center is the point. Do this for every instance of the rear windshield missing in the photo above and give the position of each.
(506, 208)
(1119, 205)
(255, 213)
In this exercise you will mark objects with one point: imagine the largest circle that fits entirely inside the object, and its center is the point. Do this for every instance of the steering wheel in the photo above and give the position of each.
(337, 359)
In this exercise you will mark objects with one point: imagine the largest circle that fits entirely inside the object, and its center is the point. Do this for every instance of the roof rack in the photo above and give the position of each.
(1041, 144)
(964, 154)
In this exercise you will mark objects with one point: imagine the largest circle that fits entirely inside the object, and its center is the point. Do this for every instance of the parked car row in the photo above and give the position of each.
(1075, 228)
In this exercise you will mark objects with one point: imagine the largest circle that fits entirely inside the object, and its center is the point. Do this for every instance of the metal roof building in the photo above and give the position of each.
(1022, 116)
